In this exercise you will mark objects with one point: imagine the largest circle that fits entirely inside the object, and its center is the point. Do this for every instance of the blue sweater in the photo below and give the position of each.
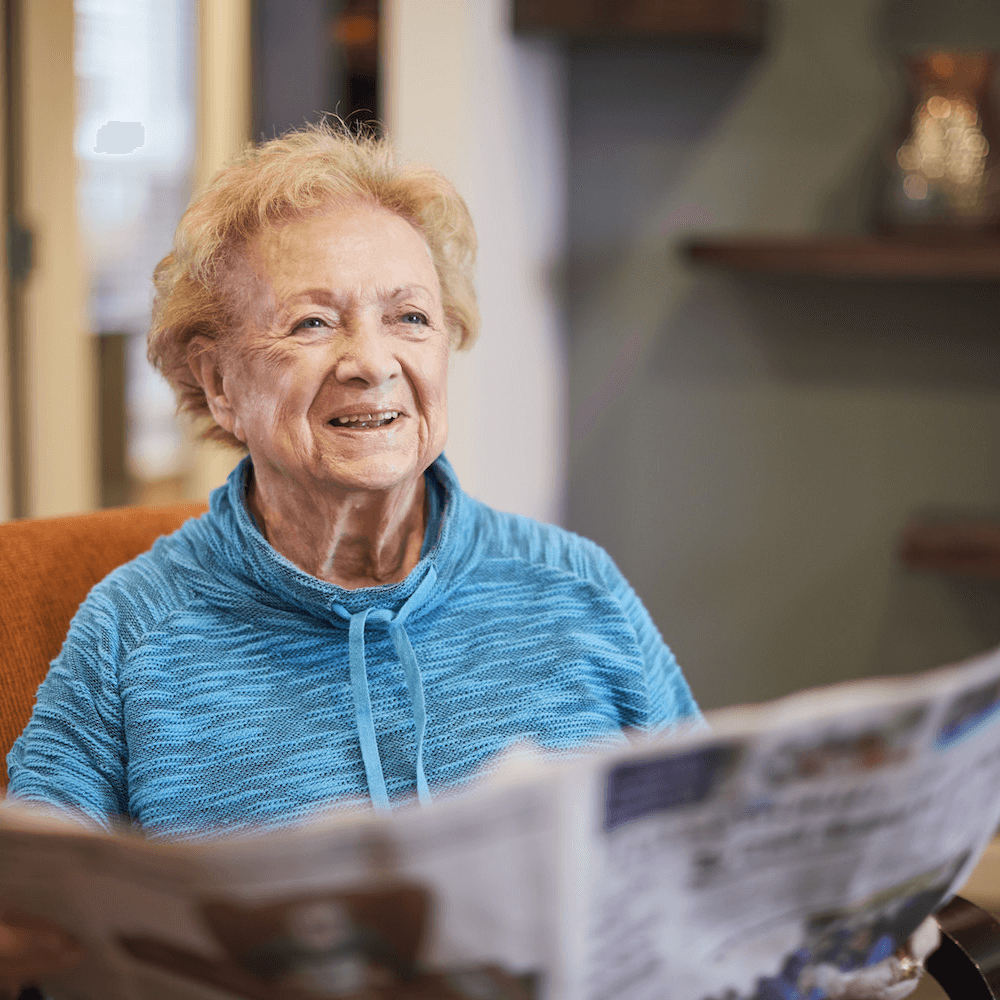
(212, 685)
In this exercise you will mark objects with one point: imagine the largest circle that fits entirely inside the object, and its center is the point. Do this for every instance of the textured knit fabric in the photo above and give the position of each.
(47, 566)
(211, 685)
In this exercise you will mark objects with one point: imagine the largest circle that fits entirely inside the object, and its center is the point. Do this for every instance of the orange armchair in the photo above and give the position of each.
(47, 567)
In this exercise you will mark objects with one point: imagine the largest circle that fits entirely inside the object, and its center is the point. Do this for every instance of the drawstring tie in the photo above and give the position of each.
(362, 693)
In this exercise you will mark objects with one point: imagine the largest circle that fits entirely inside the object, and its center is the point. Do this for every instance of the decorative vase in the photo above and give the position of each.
(942, 170)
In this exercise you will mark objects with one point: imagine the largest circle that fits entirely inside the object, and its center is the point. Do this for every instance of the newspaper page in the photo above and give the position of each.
(443, 904)
(788, 842)
(794, 841)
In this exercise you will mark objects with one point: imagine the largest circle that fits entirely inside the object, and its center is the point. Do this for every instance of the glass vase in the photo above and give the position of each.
(942, 169)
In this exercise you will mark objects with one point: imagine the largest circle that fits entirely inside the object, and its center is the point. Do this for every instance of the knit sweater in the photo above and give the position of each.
(211, 685)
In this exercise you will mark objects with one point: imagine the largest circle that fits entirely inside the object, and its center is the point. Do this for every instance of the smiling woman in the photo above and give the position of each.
(341, 393)
(345, 626)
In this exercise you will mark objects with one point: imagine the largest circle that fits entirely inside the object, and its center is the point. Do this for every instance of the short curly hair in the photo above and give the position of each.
(202, 286)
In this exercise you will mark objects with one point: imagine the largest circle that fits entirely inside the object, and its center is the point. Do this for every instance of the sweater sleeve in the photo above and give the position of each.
(72, 754)
(670, 698)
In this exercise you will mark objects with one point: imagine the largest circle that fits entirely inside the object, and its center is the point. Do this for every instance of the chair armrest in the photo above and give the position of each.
(967, 964)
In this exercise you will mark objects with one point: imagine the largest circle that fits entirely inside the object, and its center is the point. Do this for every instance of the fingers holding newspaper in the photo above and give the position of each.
(893, 978)
(30, 948)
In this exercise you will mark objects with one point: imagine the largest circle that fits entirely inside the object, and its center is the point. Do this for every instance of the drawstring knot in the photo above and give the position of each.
(396, 621)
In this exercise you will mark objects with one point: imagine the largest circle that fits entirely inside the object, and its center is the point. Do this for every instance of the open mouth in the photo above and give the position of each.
(365, 421)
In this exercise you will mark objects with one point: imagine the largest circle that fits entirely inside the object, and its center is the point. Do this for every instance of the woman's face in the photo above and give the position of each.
(341, 380)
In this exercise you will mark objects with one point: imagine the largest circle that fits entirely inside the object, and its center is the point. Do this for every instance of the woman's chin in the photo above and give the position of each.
(373, 473)
(379, 459)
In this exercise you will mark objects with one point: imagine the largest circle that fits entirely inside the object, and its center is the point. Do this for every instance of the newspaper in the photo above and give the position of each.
(730, 863)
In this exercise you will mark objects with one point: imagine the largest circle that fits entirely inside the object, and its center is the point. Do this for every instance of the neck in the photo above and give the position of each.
(352, 539)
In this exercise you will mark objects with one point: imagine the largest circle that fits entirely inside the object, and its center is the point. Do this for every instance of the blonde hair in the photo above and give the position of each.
(203, 287)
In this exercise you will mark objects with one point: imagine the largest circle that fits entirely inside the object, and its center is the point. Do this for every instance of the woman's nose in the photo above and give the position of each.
(365, 355)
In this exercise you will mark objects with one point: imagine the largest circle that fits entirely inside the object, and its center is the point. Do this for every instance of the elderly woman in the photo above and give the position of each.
(344, 624)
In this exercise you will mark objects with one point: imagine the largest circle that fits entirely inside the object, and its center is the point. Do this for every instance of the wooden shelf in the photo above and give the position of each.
(880, 258)
(958, 546)
(738, 23)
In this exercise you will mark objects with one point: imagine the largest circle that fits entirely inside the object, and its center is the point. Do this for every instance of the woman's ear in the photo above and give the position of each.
(203, 360)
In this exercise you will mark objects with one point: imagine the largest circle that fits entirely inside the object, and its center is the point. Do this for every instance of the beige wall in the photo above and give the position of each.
(462, 95)
(751, 457)
(223, 129)
(59, 420)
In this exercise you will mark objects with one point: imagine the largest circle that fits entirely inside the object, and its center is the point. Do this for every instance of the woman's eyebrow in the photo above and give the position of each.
(325, 297)
(405, 291)
(321, 295)
(287, 304)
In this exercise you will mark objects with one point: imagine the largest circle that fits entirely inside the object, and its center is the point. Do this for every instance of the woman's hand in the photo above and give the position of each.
(30, 948)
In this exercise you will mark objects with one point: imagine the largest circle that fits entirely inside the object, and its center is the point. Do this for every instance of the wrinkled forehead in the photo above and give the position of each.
(260, 269)
(273, 240)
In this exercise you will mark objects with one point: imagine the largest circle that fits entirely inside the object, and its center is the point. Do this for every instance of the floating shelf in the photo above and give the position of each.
(739, 23)
(959, 546)
(880, 258)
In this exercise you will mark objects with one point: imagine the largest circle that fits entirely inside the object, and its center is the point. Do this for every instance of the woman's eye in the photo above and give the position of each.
(312, 323)
(414, 317)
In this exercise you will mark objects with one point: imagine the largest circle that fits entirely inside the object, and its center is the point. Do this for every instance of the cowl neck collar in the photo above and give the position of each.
(228, 543)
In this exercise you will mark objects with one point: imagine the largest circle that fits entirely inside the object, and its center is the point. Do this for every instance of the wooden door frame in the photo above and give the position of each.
(49, 356)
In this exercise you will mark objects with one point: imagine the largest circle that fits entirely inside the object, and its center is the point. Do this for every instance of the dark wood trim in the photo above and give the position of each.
(972, 258)
(112, 356)
(732, 22)
(967, 546)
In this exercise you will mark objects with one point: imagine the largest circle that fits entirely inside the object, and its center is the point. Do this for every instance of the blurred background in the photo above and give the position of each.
(738, 273)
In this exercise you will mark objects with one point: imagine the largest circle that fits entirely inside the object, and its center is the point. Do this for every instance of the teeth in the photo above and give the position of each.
(367, 419)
